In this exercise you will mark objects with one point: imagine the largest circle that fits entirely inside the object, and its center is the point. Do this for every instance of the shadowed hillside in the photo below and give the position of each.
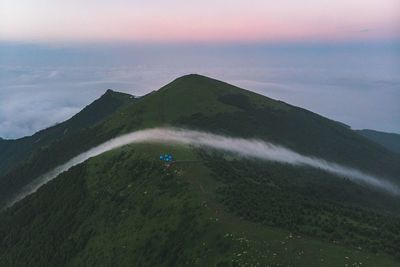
(198, 102)
(208, 208)
(13, 152)
(390, 141)
(127, 207)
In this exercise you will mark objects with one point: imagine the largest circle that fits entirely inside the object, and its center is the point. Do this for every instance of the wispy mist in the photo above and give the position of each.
(242, 147)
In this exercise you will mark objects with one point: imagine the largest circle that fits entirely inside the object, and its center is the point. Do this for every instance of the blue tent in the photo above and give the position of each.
(166, 158)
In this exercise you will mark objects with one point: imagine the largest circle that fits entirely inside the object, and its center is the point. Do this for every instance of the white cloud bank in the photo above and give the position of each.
(357, 84)
(242, 147)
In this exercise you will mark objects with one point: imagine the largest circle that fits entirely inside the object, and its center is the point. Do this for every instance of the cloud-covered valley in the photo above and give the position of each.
(41, 86)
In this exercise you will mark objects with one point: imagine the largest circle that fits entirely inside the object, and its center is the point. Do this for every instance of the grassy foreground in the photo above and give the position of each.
(127, 208)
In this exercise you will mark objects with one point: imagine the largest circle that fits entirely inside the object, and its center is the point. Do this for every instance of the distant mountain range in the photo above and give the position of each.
(126, 207)
(390, 141)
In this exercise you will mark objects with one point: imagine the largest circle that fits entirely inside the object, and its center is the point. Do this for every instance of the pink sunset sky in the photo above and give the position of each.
(199, 21)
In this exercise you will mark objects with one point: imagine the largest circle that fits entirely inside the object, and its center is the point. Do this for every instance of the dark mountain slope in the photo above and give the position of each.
(296, 128)
(198, 102)
(127, 208)
(24, 159)
(390, 141)
(2, 143)
(13, 152)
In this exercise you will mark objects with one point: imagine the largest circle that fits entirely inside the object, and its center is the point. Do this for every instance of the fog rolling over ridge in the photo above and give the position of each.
(251, 148)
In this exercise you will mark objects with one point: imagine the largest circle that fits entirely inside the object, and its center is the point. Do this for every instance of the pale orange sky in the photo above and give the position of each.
(194, 21)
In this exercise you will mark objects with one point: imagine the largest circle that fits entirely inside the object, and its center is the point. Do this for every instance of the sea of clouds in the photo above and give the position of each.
(43, 85)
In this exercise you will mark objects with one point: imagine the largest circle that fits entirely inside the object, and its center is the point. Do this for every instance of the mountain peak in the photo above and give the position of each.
(202, 84)
(109, 91)
(115, 94)
(193, 76)
(196, 78)
(195, 88)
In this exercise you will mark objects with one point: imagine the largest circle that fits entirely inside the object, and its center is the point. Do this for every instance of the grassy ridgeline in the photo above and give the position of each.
(202, 103)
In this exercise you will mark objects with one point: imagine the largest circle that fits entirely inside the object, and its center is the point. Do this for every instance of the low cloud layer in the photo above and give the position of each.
(357, 85)
(32, 99)
(242, 147)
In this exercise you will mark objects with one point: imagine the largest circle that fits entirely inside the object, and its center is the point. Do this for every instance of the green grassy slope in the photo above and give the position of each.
(127, 208)
(198, 102)
(13, 152)
(390, 141)
(24, 159)
(3, 143)
(208, 209)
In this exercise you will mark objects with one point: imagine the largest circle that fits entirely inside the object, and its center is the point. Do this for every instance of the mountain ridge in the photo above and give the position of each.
(390, 141)
(198, 102)
(207, 208)
(24, 159)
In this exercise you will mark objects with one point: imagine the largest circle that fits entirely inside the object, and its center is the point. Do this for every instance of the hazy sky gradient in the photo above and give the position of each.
(206, 20)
